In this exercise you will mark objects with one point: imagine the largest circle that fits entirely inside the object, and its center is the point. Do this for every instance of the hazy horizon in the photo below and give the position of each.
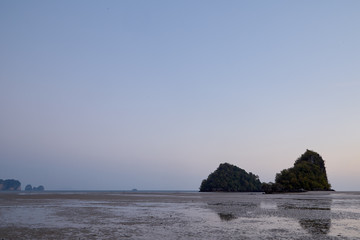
(154, 95)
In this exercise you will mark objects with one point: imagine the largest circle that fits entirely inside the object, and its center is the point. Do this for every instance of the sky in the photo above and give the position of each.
(154, 95)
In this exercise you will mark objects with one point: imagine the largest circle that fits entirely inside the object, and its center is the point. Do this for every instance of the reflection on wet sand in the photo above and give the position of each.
(316, 226)
(312, 214)
(226, 216)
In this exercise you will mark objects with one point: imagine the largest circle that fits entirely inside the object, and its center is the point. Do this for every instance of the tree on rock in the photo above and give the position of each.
(230, 178)
(307, 174)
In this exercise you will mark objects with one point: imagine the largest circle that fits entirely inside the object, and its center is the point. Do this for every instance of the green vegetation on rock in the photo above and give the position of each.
(230, 178)
(10, 185)
(30, 188)
(307, 174)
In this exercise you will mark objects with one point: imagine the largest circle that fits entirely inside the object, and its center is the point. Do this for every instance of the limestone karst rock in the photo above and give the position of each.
(307, 174)
(230, 178)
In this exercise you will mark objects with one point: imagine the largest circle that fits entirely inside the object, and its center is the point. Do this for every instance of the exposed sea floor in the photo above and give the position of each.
(160, 215)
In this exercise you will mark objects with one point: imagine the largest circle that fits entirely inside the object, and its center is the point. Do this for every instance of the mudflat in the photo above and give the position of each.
(179, 215)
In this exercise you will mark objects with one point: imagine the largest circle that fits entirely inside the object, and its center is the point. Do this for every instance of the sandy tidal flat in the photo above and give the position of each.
(141, 215)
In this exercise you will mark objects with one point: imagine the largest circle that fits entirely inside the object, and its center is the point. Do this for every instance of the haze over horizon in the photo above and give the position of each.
(154, 95)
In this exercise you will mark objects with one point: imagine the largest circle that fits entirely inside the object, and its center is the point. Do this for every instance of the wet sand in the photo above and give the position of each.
(159, 215)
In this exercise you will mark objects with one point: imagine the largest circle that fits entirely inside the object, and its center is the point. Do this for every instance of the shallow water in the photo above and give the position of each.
(139, 215)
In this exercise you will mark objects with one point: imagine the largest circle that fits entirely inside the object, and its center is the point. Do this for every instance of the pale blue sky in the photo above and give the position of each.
(156, 94)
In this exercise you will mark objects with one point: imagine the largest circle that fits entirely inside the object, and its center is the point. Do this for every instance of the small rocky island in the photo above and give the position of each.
(36, 189)
(15, 185)
(307, 174)
(10, 185)
(230, 178)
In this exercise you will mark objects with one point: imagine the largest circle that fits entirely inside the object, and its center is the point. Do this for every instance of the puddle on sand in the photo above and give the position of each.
(268, 205)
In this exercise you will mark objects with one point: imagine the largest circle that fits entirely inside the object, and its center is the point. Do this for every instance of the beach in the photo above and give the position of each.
(179, 215)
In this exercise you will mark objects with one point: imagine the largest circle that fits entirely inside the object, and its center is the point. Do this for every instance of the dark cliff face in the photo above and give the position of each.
(230, 178)
(307, 174)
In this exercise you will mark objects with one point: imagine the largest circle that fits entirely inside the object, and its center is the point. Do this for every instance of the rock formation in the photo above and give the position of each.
(10, 185)
(230, 178)
(307, 174)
